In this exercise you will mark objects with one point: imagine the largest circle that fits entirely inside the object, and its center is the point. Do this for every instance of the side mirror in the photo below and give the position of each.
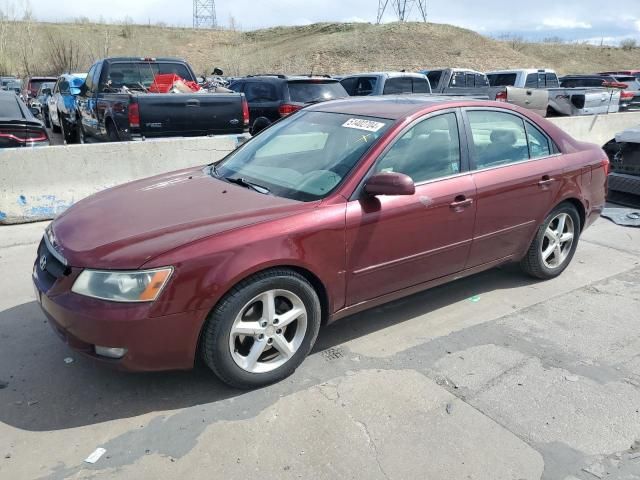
(35, 111)
(389, 183)
(217, 71)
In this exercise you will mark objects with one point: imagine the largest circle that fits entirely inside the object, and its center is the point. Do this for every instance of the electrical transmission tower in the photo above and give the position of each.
(204, 14)
(402, 9)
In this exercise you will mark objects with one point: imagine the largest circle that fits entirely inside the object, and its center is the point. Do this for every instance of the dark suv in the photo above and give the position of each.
(276, 96)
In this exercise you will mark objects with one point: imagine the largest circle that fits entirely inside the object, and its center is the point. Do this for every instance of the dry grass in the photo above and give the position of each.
(321, 48)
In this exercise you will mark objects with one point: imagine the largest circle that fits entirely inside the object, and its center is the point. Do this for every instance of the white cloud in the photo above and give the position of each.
(569, 23)
(637, 22)
(355, 19)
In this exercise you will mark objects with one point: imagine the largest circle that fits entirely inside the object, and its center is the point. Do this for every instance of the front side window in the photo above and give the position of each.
(305, 156)
(434, 77)
(498, 138)
(458, 80)
(365, 86)
(428, 151)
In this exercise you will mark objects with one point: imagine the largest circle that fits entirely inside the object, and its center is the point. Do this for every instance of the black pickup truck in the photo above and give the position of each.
(115, 104)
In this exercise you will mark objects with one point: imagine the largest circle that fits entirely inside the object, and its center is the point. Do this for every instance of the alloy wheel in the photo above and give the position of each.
(557, 241)
(268, 331)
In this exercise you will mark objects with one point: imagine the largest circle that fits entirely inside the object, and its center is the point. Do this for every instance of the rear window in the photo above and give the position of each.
(421, 85)
(133, 75)
(315, 91)
(260, 92)
(398, 85)
(9, 107)
(502, 79)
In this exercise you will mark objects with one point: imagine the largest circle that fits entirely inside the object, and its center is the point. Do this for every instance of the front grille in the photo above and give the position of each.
(53, 267)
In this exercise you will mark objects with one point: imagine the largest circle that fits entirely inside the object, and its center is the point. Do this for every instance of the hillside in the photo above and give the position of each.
(321, 48)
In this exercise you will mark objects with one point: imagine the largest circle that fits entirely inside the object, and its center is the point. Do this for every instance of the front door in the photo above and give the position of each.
(395, 242)
(517, 171)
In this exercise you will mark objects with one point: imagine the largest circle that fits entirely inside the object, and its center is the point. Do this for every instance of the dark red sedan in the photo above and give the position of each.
(335, 209)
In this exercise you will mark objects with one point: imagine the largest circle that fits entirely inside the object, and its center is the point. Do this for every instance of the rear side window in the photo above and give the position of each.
(552, 80)
(315, 91)
(498, 138)
(421, 85)
(364, 86)
(261, 92)
(532, 81)
(434, 77)
(481, 80)
(349, 85)
(539, 143)
(502, 79)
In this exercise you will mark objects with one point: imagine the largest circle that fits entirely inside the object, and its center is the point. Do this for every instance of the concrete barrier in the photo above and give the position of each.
(39, 183)
(597, 129)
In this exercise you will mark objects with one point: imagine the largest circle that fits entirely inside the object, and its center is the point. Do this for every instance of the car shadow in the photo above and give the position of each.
(40, 391)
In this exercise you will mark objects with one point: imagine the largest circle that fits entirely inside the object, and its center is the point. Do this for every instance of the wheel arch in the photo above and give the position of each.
(311, 277)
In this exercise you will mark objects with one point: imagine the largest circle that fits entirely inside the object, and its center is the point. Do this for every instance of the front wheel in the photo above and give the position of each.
(262, 330)
(554, 244)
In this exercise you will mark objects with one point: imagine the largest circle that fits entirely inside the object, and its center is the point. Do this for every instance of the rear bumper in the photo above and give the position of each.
(152, 343)
(622, 182)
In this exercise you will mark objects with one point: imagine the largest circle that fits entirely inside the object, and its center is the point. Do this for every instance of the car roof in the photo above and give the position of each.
(391, 107)
(385, 74)
(522, 70)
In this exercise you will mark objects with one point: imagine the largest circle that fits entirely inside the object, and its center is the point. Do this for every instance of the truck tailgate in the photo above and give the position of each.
(179, 114)
(535, 99)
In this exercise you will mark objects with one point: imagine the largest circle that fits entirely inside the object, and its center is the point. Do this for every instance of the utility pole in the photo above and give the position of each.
(402, 9)
(204, 14)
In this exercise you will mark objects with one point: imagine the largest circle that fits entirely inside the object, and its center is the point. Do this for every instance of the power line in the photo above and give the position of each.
(402, 9)
(204, 14)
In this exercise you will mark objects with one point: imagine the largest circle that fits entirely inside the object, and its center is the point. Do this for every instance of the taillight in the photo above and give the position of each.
(626, 95)
(134, 115)
(23, 136)
(287, 109)
(501, 96)
(245, 112)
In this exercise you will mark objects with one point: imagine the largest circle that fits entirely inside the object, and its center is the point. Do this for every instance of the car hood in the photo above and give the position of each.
(126, 226)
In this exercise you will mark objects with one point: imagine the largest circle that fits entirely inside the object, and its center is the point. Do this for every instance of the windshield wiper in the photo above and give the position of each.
(245, 183)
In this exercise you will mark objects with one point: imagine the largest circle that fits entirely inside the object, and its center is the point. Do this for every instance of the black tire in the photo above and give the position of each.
(68, 132)
(214, 341)
(80, 136)
(533, 263)
(54, 127)
(47, 121)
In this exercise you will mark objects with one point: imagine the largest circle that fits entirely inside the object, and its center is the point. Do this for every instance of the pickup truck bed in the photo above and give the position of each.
(114, 104)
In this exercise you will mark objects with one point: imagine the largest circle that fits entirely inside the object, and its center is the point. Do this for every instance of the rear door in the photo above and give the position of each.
(517, 171)
(395, 242)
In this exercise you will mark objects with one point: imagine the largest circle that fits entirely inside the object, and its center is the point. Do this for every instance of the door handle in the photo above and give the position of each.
(460, 203)
(546, 180)
(193, 103)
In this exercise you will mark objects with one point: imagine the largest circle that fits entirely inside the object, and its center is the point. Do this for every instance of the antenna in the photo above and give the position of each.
(204, 14)
(402, 9)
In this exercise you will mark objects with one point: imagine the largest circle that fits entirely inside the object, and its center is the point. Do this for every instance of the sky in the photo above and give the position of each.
(591, 20)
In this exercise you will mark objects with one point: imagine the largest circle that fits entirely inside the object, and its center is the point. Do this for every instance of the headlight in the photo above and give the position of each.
(119, 286)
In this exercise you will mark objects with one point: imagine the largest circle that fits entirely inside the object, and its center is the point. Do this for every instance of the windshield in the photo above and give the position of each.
(305, 156)
(315, 91)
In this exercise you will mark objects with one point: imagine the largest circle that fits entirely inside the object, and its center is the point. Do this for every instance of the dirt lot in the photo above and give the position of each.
(321, 48)
(491, 377)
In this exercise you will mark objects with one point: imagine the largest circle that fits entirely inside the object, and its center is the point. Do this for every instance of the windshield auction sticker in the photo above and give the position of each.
(360, 124)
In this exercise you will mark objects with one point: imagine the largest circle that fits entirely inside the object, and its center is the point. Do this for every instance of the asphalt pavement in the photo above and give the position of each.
(494, 377)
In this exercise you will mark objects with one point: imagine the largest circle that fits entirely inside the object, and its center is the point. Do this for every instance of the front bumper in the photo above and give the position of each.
(153, 343)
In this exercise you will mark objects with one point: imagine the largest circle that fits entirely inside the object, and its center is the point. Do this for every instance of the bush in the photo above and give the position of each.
(628, 44)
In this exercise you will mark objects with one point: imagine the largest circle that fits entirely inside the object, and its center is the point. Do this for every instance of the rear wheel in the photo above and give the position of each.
(68, 132)
(45, 117)
(554, 244)
(262, 330)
